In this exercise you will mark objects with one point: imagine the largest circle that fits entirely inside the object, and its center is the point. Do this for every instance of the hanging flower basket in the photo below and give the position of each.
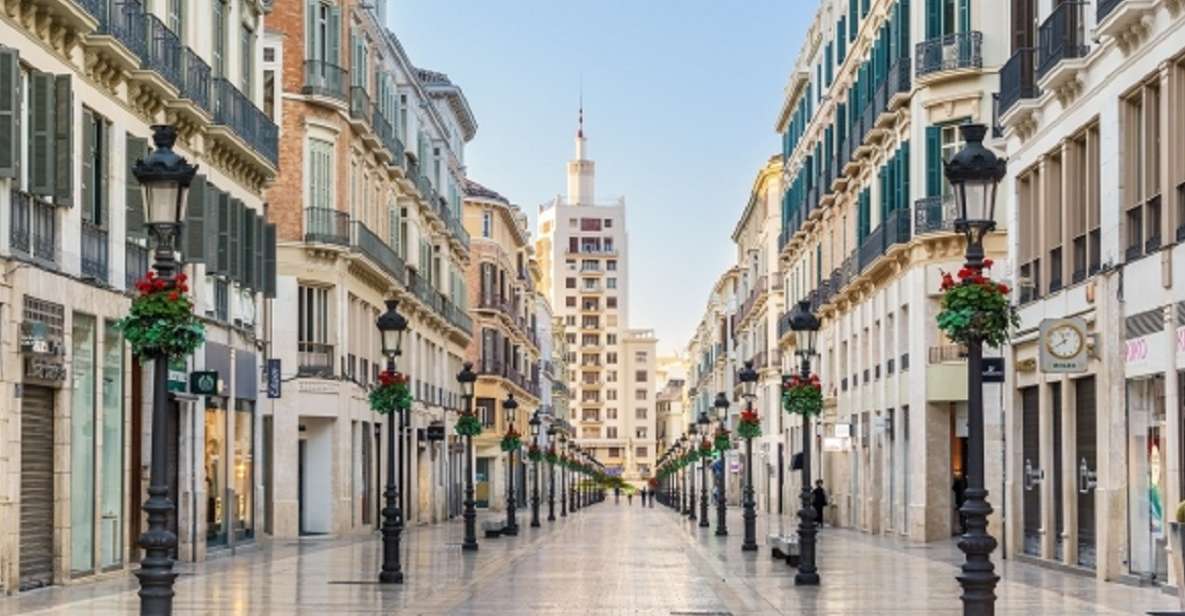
(468, 425)
(690, 457)
(976, 308)
(749, 426)
(706, 447)
(550, 456)
(802, 396)
(722, 441)
(161, 322)
(534, 454)
(392, 393)
(511, 441)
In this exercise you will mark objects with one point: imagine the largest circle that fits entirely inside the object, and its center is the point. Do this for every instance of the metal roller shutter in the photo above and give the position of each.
(1031, 444)
(36, 551)
(1086, 424)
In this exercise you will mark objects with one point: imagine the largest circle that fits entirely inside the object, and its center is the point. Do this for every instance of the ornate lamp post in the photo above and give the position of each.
(704, 422)
(534, 423)
(974, 173)
(691, 431)
(509, 406)
(721, 406)
(164, 180)
(806, 329)
(551, 433)
(391, 326)
(748, 378)
(574, 457)
(564, 475)
(467, 378)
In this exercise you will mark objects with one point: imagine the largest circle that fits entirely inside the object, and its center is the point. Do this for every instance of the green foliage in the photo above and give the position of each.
(749, 430)
(976, 308)
(802, 396)
(391, 395)
(534, 454)
(722, 443)
(468, 425)
(161, 322)
(511, 442)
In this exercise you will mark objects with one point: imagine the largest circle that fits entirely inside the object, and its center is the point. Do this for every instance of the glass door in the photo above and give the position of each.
(1147, 468)
(215, 461)
(82, 446)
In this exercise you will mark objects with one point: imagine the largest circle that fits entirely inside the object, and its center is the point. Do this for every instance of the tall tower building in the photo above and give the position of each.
(583, 250)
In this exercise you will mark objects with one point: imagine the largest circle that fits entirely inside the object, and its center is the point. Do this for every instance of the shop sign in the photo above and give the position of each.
(37, 339)
(436, 431)
(993, 370)
(204, 383)
(178, 370)
(274, 381)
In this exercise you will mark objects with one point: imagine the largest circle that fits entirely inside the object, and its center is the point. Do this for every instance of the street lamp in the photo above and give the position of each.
(564, 475)
(974, 172)
(748, 378)
(704, 422)
(534, 424)
(721, 406)
(806, 330)
(692, 431)
(467, 378)
(164, 181)
(509, 406)
(551, 434)
(391, 326)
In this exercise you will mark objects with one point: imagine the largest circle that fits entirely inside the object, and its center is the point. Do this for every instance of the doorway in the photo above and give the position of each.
(958, 463)
(1085, 446)
(482, 481)
(1031, 453)
(37, 493)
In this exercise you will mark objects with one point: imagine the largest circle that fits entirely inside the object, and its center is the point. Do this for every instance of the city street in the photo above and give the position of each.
(605, 559)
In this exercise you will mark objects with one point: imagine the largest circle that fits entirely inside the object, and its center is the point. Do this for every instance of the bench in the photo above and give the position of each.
(493, 528)
(784, 548)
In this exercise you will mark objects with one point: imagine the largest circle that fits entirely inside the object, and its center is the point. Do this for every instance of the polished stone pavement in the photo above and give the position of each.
(606, 559)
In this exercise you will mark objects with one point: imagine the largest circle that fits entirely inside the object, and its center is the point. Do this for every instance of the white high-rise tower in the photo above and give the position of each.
(583, 251)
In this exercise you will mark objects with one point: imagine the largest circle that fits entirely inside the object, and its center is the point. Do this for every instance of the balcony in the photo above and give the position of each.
(934, 215)
(135, 263)
(93, 252)
(1063, 36)
(390, 141)
(314, 359)
(326, 226)
(1124, 20)
(896, 227)
(900, 80)
(360, 107)
(196, 80)
(122, 32)
(370, 246)
(165, 53)
(1018, 79)
(33, 228)
(953, 52)
(946, 353)
(245, 124)
(872, 247)
(323, 78)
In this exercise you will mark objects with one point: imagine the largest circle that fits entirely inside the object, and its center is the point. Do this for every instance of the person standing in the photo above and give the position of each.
(629, 497)
(819, 501)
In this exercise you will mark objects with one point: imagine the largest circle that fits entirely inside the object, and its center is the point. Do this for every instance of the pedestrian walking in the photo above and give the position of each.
(616, 495)
(819, 501)
(629, 496)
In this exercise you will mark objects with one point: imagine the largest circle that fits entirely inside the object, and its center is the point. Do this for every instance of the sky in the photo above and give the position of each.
(680, 101)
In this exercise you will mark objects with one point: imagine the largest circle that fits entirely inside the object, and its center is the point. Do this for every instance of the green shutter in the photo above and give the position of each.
(234, 254)
(269, 260)
(310, 38)
(903, 30)
(41, 133)
(933, 19)
(933, 161)
(883, 178)
(257, 244)
(88, 187)
(964, 15)
(333, 45)
(247, 248)
(854, 20)
(212, 223)
(222, 265)
(10, 113)
(63, 141)
(193, 232)
(134, 200)
(906, 165)
(103, 130)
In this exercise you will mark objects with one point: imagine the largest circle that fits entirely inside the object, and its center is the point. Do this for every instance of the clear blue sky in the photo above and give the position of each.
(680, 99)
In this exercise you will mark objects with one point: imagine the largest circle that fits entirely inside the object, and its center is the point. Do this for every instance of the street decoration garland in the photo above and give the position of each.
(749, 426)
(802, 396)
(392, 393)
(468, 425)
(722, 442)
(534, 454)
(511, 441)
(161, 322)
(976, 308)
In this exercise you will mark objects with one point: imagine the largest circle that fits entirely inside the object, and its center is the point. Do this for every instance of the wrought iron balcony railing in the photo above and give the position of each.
(33, 227)
(196, 79)
(360, 107)
(314, 359)
(950, 52)
(369, 244)
(135, 263)
(1105, 9)
(1018, 79)
(872, 247)
(165, 52)
(326, 225)
(934, 215)
(1062, 36)
(124, 21)
(233, 109)
(323, 78)
(93, 252)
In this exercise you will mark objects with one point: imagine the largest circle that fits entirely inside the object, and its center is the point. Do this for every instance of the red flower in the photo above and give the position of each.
(181, 277)
(150, 275)
(174, 296)
(964, 273)
(987, 263)
(1002, 288)
(749, 416)
(977, 279)
(158, 284)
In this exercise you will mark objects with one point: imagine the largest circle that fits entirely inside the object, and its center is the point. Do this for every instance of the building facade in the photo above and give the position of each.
(1094, 132)
(583, 252)
(870, 113)
(713, 368)
(503, 279)
(368, 209)
(83, 82)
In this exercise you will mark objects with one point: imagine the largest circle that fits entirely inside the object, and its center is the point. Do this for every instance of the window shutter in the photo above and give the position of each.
(333, 46)
(193, 244)
(906, 165)
(269, 260)
(10, 112)
(41, 134)
(903, 29)
(134, 199)
(964, 15)
(933, 19)
(103, 150)
(310, 39)
(854, 23)
(63, 141)
(224, 225)
(88, 165)
(247, 248)
(258, 246)
(213, 221)
(933, 161)
(234, 254)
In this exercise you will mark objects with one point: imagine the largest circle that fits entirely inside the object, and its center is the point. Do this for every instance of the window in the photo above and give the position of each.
(176, 17)
(614, 452)
(611, 302)
(570, 321)
(608, 223)
(611, 283)
(611, 413)
(640, 357)
(590, 224)
(611, 358)
(590, 283)
(570, 301)
(1029, 250)
(640, 413)
(639, 394)
(218, 59)
(611, 395)
(590, 432)
(640, 433)
(487, 224)
(94, 168)
(952, 142)
(313, 322)
(611, 376)
(1141, 172)
(611, 432)
(573, 223)
(1082, 167)
(570, 283)
(269, 91)
(610, 339)
(247, 60)
(320, 174)
(611, 265)
(640, 452)
(640, 376)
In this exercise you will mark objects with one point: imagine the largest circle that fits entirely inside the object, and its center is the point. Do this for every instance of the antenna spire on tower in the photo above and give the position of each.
(580, 120)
